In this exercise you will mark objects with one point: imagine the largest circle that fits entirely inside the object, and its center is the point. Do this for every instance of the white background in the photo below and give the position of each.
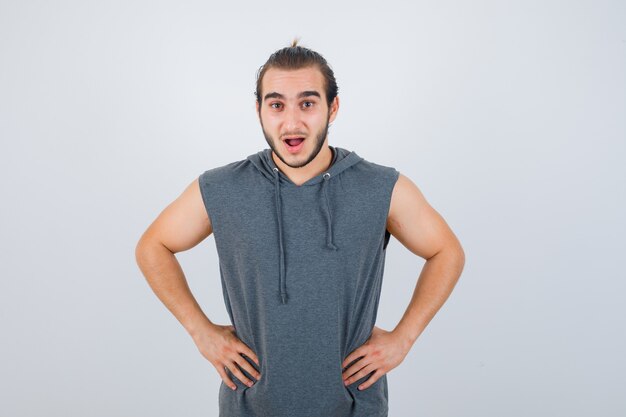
(509, 116)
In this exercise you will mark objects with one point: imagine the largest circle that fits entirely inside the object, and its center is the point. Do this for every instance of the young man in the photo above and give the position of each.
(301, 231)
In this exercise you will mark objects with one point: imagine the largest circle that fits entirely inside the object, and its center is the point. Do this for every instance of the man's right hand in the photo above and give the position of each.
(221, 346)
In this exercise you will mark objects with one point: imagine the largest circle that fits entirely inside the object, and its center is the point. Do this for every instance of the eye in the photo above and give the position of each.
(310, 102)
(272, 104)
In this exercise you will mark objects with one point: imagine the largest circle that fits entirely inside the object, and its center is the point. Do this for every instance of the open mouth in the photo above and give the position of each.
(294, 144)
(294, 141)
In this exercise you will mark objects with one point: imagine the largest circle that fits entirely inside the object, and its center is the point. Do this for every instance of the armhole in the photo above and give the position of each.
(387, 238)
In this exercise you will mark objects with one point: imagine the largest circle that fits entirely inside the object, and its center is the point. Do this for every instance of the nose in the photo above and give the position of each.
(292, 119)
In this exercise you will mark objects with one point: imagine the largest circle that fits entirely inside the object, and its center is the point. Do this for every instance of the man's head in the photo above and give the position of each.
(296, 96)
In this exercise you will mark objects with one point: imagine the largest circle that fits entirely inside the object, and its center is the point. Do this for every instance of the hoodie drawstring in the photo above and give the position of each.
(329, 231)
(281, 277)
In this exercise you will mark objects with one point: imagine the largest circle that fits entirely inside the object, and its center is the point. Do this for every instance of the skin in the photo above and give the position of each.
(290, 115)
(184, 223)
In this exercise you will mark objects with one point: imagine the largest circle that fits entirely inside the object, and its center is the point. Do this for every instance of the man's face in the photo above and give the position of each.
(294, 106)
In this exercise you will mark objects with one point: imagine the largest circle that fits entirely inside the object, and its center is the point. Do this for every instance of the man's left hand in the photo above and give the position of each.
(382, 352)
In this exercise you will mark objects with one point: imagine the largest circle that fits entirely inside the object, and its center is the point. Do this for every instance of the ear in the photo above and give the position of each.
(334, 108)
(257, 108)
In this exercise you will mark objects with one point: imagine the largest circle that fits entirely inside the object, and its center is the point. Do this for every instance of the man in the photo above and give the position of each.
(301, 231)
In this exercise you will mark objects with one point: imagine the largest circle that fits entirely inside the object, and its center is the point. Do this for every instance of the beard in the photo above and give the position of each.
(319, 142)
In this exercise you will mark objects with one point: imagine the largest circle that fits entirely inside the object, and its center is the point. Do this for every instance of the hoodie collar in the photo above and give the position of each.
(262, 160)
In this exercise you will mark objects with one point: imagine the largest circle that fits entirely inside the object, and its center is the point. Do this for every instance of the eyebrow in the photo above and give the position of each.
(300, 95)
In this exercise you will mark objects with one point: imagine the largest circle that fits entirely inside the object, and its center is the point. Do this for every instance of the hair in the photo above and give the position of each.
(295, 57)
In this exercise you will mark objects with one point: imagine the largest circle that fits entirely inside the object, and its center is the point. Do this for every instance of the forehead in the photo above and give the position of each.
(291, 82)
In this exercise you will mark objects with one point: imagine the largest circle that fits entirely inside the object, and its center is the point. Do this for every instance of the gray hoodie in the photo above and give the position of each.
(301, 269)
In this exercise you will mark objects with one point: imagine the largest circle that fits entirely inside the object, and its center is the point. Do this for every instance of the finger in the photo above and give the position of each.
(240, 375)
(356, 367)
(249, 353)
(373, 378)
(243, 363)
(363, 372)
(360, 351)
(222, 371)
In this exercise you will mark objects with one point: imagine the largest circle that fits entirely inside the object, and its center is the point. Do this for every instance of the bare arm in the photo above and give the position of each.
(423, 231)
(180, 226)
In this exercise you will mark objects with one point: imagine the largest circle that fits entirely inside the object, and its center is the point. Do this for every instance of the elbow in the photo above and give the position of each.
(142, 249)
(147, 247)
(455, 249)
(454, 255)
(459, 255)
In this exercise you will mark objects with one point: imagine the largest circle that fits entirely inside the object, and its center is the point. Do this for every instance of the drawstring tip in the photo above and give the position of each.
(283, 297)
(331, 245)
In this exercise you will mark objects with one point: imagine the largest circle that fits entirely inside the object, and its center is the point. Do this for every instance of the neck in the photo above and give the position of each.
(318, 165)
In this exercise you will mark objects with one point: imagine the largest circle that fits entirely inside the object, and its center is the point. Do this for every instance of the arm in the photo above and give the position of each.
(425, 233)
(180, 226)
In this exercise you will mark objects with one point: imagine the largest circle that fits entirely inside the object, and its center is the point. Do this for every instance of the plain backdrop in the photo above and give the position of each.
(509, 116)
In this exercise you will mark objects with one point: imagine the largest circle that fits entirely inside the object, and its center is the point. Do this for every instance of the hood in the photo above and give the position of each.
(262, 160)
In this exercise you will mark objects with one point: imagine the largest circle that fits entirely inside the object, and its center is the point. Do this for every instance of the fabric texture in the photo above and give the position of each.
(301, 269)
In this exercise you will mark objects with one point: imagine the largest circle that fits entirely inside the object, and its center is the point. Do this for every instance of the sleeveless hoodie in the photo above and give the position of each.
(301, 269)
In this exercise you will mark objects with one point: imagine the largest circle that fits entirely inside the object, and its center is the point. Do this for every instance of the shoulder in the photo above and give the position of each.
(241, 174)
(222, 172)
(231, 184)
(376, 173)
(216, 183)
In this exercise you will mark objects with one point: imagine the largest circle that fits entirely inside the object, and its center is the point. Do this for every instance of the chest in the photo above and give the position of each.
(305, 217)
